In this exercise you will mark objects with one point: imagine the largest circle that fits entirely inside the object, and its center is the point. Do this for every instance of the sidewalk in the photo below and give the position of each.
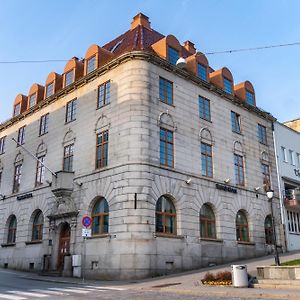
(189, 282)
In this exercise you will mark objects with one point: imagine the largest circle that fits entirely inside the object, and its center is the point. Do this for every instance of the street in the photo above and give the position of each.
(17, 286)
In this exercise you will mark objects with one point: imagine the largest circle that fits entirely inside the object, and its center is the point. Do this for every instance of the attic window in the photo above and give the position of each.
(114, 48)
(250, 98)
(17, 109)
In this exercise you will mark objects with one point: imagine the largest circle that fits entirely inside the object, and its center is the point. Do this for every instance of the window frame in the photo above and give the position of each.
(227, 81)
(166, 142)
(206, 222)
(68, 158)
(205, 157)
(17, 178)
(44, 124)
(251, 98)
(34, 95)
(37, 227)
(21, 135)
(239, 170)
(262, 134)
(201, 69)
(235, 122)
(2, 144)
(40, 171)
(268, 231)
(106, 94)
(266, 175)
(12, 230)
(101, 215)
(104, 149)
(163, 91)
(72, 71)
(93, 57)
(240, 227)
(17, 109)
(52, 89)
(204, 108)
(71, 109)
(172, 56)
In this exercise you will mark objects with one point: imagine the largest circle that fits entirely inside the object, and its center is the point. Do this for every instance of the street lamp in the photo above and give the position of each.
(270, 195)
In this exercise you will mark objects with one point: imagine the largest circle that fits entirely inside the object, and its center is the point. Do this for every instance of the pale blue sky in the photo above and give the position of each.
(61, 29)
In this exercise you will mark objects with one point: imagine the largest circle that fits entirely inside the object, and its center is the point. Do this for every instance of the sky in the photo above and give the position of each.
(61, 29)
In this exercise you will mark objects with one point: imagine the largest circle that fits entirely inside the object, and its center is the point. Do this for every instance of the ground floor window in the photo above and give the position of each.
(242, 230)
(268, 230)
(165, 216)
(293, 221)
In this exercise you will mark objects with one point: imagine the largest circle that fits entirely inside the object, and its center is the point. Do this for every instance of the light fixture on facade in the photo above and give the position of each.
(189, 180)
(257, 188)
(227, 180)
(181, 62)
(2, 197)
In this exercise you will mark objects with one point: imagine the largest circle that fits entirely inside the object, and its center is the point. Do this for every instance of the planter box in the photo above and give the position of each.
(278, 272)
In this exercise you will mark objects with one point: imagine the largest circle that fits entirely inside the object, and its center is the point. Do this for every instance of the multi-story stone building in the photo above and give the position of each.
(287, 144)
(168, 160)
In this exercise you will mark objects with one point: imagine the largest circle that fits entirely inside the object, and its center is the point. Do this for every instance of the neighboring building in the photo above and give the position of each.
(170, 164)
(288, 161)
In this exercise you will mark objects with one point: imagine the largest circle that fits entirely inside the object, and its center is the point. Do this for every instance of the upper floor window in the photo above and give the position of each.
(17, 109)
(165, 216)
(69, 77)
(71, 111)
(166, 148)
(32, 100)
(91, 64)
(50, 89)
(250, 98)
(235, 122)
(292, 157)
(206, 160)
(100, 215)
(204, 108)
(2, 144)
(102, 149)
(165, 91)
(103, 94)
(173, 55)
(207, 222)
(68, 158)
(266, 176)
(44, 124)
(262, 134)
(21, 135)
(40, 171)
(239, 170)
(202, 74)
(17, 178)
(297, 155)
(227, 85)
(284, 154)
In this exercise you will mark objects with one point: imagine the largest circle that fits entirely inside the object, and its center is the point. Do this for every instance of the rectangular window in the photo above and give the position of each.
(292, 157)
(102, 149)
(2, 144)
(250, 98)
(91, 64)
(227, 85)
(44, 120)
(173, 55)
(71, 111)
(0, 177)
(266, 175)
(40, 171)
(165, 91)
(32, 100)
(262, 134)
(284, 154)
(50, 89)
(202, 73)
(166, 148)
(17, 109)
(297, 155)
(103, 94)
(206, 160)
(68, 158)
(69, 77)
(17, 178)
(239, 169)
(235, 122)
(204, 108)
(21, 135)
(293, 221)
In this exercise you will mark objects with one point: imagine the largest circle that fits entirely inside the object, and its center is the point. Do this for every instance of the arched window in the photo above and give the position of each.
(100, 215)
(207, 222)
(37, 227)
(242, 230)
(12, 229)
(268, 230)
(165, 216)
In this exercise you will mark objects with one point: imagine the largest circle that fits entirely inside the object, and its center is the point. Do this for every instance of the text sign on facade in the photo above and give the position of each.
(86, 221)
(226, 188)
(86, 232)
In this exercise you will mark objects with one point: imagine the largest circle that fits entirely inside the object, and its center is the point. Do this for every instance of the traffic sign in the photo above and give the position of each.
(86, 221)
(86, 232)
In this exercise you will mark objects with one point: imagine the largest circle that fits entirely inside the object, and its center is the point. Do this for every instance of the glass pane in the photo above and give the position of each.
(173, 55)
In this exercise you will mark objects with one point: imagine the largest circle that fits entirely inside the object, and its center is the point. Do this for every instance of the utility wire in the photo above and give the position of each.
(206, 53)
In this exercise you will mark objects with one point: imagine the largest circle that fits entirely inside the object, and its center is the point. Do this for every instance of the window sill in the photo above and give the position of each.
(263, 144)
(160, 100)
(100, 107)
(245, 243)
(41, 134)
(99, 236)
(168, 235)
(207, 120)
(68, 122)
(33, 242)
(236, 132)
(211, 240)
(5, 245)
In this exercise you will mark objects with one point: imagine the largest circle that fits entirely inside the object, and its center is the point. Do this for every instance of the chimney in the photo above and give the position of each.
(189, 46)
(140, 19)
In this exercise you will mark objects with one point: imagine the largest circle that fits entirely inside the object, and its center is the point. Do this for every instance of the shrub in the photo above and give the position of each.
(209, 277)
(223, 276)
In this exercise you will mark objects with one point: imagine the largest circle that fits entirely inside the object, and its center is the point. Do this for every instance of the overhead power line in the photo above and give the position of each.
(206, 53)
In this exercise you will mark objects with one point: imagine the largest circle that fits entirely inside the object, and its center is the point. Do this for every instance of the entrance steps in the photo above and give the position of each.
(278, 284)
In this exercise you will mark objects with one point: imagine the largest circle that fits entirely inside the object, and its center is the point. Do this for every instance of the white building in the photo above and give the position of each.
(167, 161)
(287, 143)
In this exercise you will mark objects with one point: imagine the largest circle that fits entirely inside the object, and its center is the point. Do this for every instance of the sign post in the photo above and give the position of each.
(86, 232)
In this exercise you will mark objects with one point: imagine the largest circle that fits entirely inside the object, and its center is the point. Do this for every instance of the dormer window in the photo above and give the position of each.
(17, 109)
(50, 89)
(202, 74)
(173, 55)
(91, 64)
(250, 98)
(69, 79)
(227, 85)
(32, 100)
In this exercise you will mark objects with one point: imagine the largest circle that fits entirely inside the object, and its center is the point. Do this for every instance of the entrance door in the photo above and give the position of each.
(64, 245)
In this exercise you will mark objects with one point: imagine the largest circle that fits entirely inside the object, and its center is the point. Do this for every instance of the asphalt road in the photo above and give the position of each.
(14, 286)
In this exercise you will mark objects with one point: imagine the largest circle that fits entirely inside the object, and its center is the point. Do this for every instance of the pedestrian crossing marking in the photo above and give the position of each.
(54, 293)
(11, 297)
(28, 294)
(70, 290)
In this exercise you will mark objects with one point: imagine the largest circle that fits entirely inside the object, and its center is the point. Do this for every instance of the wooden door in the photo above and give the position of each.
(64, 245)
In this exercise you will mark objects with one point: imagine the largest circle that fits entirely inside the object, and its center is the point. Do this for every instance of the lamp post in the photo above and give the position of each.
(270, 195)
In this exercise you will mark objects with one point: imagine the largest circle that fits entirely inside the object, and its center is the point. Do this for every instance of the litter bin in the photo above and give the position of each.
(239, 275)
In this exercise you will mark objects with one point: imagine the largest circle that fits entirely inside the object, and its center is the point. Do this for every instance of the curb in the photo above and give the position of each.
(55, 280)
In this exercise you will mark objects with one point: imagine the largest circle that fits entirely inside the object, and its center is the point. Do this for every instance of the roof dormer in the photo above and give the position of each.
(223, 79)
(72, 71)
(245, 92)
(35, 95)
(198, 65)
(53, 84)
(20, 104)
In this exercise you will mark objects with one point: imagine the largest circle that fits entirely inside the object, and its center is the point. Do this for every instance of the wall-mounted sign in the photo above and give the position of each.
(297, 172)
(226, 188)
(25, 196)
